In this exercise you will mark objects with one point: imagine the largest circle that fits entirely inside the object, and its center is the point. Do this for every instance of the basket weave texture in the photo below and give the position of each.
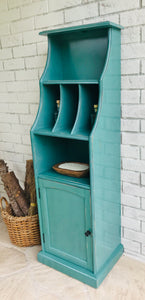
(23, 231)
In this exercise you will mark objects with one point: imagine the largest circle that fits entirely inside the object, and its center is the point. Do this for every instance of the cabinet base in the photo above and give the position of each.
(77, 272)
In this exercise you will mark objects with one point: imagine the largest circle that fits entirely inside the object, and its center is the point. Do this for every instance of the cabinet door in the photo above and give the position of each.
(65, 212)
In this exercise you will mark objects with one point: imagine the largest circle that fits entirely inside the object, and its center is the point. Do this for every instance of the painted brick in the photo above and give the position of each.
(133, 82)
(133, 111)
(10, 137)
(130, 223)
(112, 18)
(130, 125)
(129, 176)
(3, 87)
(130, 35)
(130, 66)
(56, 5)
(131, 246)
(21, 129)
(132, 18)
(5, 54)
(42, 48)
(27, 50)
(142, 153)
(7, 76)
(32, 85)
(143, 227)
(143, 67)
(135, 214)
(133, 164)
(26, 75)
(81, 12)
(34, 9)
(17, 86)
(3, 107)
(4, 29)
(143, 203)
(130, 96)
(26, 139)
(143, 125)
(35, 62)
(22, 25)
(143, 178)
(27, 119)
(135, 50)
(33, 108)
(3, 5)
(134, 235)
(10, 41)
(33, 36)
(128, 200)
(135, 190)
(10, 15)
(14, 64)
(25, 149)
(18, 3)
(18, 108)
(143, 96)
(111, 6)
(143, 33)
(6, 146)
(10, 156)
(50, 19)
(29, 97)
(129, 151)
(1, 65)
(8, 98)
(133, 138)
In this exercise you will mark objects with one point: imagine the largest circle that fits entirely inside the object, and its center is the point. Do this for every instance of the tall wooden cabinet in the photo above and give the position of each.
(80, 217)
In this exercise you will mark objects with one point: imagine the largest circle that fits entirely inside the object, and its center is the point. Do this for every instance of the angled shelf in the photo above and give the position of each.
(78, 120)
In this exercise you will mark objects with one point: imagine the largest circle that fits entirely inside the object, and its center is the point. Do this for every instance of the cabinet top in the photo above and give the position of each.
(87, 27)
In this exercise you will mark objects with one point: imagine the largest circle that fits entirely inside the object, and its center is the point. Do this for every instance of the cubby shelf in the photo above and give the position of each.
(80, 217)
(46, 132)
(53, 176)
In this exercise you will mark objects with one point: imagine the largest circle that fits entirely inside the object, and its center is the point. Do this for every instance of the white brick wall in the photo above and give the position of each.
(22, 59)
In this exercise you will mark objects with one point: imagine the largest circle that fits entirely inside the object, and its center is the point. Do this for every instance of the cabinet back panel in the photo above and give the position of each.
(77, 57)
(51, 150)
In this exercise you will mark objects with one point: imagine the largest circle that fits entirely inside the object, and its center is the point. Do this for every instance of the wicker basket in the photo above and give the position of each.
(23, 231)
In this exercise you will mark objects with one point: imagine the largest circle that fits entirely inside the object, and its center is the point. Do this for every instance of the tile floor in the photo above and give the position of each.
(22, 277)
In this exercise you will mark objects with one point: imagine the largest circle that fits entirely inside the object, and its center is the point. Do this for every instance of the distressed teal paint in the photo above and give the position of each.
(82, 69)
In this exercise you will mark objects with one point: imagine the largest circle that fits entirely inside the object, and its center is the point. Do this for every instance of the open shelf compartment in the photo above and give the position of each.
(71, 57)
(88, 96)
(56, 150)
(74, 116)
(68, 108)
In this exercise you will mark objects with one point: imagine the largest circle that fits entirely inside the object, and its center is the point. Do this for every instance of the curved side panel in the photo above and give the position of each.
(105, 173)
(34, 126)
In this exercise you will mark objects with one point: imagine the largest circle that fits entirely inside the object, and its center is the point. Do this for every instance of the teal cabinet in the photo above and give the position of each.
(66, 219)
(80, 218)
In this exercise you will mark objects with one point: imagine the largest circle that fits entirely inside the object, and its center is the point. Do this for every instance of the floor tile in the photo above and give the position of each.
(11, 260)
(22, 277)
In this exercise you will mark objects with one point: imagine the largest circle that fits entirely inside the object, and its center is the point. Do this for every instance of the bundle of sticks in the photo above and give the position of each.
(23, 201)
